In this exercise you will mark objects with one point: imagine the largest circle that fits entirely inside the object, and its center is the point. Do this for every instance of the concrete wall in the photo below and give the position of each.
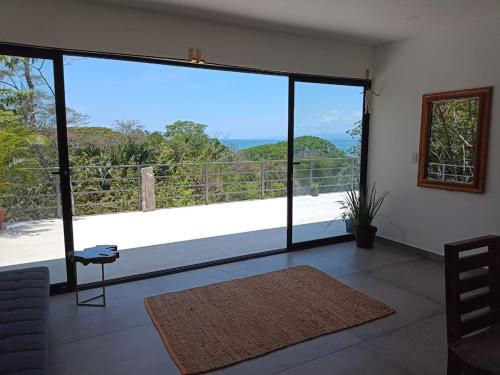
(404, 71)
(107, 28)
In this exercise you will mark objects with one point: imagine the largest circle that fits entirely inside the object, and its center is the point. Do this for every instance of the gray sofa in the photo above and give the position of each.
(24, 312)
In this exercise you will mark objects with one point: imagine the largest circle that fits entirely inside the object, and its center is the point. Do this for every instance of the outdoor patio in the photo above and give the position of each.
(174, 237)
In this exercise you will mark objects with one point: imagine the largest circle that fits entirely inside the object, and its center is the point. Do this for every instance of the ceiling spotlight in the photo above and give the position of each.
(412, 18)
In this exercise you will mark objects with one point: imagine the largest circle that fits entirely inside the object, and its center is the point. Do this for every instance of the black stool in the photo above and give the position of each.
(100, 254)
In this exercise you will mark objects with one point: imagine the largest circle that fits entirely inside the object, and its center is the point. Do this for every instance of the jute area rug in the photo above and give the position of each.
(222, 324)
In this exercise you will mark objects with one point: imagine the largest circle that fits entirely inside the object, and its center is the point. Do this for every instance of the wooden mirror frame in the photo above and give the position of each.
(481, 149)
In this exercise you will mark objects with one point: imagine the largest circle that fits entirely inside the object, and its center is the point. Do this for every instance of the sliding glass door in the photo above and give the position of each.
(177, 164)
(31, 204)
(326, 150)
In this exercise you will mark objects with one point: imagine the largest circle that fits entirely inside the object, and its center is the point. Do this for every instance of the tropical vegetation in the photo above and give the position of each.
(190, 166)
(453, 139)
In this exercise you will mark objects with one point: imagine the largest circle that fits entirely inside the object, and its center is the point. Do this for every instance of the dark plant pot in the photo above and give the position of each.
(365, 237)
(314, 192)
(349, 226)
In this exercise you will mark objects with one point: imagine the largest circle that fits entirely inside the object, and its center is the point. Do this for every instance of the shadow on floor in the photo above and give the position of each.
(184, 253)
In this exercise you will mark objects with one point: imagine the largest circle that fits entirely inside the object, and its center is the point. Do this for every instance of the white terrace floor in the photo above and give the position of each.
(174, 237)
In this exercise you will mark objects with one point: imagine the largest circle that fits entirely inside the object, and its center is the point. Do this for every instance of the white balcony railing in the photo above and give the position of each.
(450, 172)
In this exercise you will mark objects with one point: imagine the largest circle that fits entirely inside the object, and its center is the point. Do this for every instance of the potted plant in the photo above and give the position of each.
(362, 207)
(314, 190)
(349, 226)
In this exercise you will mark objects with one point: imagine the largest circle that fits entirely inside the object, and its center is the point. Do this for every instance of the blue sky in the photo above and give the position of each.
(233, 105)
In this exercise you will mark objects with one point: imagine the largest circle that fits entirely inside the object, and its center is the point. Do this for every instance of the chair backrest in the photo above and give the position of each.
(472, 285)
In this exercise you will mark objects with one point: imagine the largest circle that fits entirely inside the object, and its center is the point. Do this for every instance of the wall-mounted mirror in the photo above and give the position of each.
(454, 140)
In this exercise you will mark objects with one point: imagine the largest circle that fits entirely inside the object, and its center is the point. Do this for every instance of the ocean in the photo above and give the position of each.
(342, 143)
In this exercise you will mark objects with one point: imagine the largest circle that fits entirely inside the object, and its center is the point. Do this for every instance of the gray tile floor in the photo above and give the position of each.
(121, 340)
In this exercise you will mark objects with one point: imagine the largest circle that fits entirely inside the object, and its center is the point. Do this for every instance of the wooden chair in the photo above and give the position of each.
(473, 306)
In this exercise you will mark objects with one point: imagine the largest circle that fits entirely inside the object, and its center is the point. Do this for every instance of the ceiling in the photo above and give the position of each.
(368, 21)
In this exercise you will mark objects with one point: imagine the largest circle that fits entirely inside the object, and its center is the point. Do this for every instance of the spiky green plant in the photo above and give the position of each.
(362, 206)
(16, 142)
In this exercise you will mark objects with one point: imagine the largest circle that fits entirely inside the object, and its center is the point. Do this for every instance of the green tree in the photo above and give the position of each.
(305, 147)
(186, 149)
(321, 165)
(355, 134)
(26, 92)
(156, 140)
(27, 96)
(132, 130)
(15, 152)
(187, 141)
(17, 164)
(106, 166)
(453, 138)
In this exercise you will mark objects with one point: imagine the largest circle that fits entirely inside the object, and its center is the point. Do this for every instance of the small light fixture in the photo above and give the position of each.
(191, 55)
(199, 56)
(195, 56)
(412, 18)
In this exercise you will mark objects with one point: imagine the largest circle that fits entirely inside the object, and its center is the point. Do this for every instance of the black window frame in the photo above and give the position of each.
(57, 56)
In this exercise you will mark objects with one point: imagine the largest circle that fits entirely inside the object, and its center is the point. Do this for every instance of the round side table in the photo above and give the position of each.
(100, 254)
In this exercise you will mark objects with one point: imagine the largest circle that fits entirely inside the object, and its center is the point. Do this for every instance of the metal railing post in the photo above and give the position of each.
(205, 174)
(443, 173)
(139, 188)
(352, 174)
(262, 181)
(310, 174)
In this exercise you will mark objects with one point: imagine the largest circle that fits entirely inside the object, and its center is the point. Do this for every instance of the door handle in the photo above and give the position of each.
(63, 172)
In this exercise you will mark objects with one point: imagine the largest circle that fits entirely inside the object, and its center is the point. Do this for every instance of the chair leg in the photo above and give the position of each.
(454, 364)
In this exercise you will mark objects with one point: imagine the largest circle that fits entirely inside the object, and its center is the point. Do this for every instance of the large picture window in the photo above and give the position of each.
(179, 165)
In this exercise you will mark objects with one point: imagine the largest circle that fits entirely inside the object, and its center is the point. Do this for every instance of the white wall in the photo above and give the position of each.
(404, 71)
(98, 27)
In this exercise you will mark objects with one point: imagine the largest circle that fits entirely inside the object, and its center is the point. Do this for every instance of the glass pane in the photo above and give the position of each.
(30, 202)
(453, 140)
(175, 165)
(327, 147)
